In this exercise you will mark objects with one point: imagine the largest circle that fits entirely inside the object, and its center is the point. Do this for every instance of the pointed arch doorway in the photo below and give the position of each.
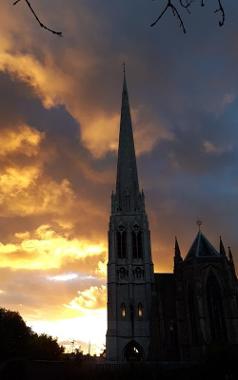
(133, 352)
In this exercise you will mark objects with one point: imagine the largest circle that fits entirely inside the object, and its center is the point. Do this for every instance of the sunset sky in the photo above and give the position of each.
(59, 118)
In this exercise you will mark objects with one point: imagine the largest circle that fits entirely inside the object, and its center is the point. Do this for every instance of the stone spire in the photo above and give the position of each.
(177, 253)
(232, 264)
(230, 255)
(222, 248)
(127, 186)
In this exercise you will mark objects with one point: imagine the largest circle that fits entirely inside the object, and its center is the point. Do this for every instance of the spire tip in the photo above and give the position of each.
(124, 68)
(199, 224)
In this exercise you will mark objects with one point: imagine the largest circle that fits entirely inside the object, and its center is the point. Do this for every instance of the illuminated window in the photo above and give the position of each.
(140, 310)
(123, 310)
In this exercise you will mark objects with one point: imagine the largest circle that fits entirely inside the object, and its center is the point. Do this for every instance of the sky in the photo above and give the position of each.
(59, 118)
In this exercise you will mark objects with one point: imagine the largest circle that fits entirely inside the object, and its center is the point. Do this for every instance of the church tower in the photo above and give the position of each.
(130, 267)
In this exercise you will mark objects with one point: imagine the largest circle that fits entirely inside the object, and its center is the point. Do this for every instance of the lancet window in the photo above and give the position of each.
(192, 306)
(140, 310)
(123, 311)
(137, 244)
(215, 310)
(121, 242)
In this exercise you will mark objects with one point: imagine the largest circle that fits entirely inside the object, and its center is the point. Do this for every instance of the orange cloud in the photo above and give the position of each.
(23, 139)
(92, 298)
(46, 249)
(39, 75)
(14, 180)
(25, 191)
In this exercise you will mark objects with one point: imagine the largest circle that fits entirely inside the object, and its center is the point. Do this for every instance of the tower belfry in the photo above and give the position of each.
(130, 267)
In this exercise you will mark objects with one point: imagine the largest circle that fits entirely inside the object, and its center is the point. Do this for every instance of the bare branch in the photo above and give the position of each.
(37, 18)
(220, 10)
(175, 9)
(186, 4)
(175, 13)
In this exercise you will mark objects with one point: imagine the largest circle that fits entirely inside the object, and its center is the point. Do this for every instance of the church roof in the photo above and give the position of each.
(127, 178)
(201, 247)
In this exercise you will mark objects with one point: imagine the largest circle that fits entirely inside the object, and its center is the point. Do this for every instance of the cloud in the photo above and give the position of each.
(64, 277)
(211, 148)
(39, 76)
(92, 298)
(23, 139)
(45, 249)
(24, 192)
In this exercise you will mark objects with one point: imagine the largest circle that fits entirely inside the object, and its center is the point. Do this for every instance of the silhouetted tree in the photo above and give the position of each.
(14, 334)
(18, 340)
(45, 347)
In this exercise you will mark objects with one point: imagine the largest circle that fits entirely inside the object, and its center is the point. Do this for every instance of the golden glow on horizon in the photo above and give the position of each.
(89, 328)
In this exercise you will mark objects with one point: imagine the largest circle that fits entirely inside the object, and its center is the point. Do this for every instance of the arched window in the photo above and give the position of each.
(140, 311)
(137, 244)
(215, 310)
(192, 306)
(121, 242)
(123, 311)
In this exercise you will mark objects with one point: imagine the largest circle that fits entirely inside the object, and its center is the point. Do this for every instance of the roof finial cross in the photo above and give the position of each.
(199, 224)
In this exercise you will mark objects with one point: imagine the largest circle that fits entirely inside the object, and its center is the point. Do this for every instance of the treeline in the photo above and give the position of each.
(17, 340)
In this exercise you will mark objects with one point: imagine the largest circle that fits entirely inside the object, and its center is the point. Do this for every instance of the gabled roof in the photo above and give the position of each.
(201, 247)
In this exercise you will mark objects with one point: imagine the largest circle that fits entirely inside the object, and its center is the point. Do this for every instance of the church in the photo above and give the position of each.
(161, 316)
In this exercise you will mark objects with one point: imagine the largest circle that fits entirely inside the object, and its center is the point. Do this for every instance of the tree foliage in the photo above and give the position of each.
(18, 340)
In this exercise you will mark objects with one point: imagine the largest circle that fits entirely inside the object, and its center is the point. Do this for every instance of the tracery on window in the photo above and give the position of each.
(122, 273)
(138, 273)
(215, 310)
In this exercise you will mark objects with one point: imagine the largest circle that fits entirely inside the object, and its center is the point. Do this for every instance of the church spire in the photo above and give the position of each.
(177, 253)
(127, 186)
(222, 248)
(230, 255)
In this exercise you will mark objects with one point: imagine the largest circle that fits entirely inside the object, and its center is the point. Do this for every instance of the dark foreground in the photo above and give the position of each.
(19, 369)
